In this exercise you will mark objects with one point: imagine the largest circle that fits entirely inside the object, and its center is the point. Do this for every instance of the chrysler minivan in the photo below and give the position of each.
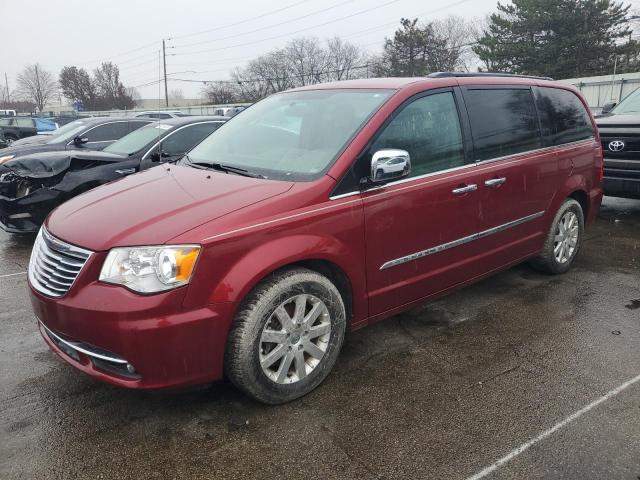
(315, 211)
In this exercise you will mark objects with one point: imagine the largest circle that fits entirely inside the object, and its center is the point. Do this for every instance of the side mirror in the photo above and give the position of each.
(80, 140)
(159, 156)
(389, 164)
(607, 107)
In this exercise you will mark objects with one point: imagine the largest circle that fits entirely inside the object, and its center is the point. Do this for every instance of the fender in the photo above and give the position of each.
(575, 183)
(251, 268)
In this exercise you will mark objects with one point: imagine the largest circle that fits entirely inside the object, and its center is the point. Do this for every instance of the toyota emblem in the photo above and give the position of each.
(616, 145)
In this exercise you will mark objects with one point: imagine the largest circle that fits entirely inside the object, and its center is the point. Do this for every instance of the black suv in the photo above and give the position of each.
(620, 135)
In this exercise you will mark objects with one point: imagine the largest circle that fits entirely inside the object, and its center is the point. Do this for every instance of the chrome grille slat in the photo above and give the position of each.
(50, 279)
(55, 265)
(77, 265)
(48, 262)
(40, 264)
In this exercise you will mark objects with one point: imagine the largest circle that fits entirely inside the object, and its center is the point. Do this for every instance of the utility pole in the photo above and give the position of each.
(164, 64)
(6, 82)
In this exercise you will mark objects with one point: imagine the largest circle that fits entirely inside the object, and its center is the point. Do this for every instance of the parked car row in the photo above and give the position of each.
(315, 211)
(33, 184)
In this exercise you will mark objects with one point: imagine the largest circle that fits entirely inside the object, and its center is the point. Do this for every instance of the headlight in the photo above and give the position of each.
(6, 158)
(150, 269)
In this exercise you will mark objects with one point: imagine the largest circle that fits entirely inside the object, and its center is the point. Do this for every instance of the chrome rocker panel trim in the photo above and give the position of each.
(460, 241)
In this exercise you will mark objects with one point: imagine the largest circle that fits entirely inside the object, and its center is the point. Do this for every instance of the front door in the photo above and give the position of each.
(419, 229)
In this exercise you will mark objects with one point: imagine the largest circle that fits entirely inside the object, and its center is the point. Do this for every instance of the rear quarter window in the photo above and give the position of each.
(563, 117)
(503, 121)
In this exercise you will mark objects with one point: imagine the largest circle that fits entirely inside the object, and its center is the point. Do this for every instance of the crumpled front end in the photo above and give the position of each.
(24, 202)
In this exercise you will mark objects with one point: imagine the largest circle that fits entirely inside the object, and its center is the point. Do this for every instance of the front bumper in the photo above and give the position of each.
(134, 341)
(26, 214)
(621, 187)
(621, 178)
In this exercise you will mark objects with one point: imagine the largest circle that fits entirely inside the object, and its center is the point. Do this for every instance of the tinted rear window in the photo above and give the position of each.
(503, 121)
(562, 116)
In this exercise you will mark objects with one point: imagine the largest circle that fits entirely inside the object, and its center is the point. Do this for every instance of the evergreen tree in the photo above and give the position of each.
(558, 38)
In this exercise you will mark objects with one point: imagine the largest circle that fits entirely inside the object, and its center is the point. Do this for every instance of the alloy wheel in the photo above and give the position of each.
(295, 339)
(566, 239)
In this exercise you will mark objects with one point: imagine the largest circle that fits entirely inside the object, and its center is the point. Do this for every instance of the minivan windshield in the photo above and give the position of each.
(292, 135)
(629, 104)
(138, 139)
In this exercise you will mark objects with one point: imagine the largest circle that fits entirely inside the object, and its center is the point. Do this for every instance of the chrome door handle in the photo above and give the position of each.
(495, 182)
(466, 189)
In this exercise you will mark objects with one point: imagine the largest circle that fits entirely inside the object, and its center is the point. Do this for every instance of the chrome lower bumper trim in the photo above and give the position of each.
(85, 349)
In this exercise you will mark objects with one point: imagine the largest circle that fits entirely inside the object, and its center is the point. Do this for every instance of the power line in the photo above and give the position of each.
(423, 14)
(223, 27)
(267, 27)
(156, 42)
(287, 34)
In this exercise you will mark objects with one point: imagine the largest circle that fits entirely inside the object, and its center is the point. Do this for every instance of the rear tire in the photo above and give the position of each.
(563, 241)
(286, 336)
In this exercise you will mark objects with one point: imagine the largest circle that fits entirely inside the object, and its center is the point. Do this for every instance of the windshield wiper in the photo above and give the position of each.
(222, 168)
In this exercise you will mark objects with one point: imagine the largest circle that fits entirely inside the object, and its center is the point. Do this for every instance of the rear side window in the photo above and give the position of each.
(25, 122)
(503, 121)
(108, 132)
(562, 116)
(429, 129)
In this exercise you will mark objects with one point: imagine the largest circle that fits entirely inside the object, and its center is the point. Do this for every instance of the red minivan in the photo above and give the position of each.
(317, 210)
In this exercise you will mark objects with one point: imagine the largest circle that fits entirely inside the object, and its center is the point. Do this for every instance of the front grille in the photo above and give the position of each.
(630, 151)
(55, 264)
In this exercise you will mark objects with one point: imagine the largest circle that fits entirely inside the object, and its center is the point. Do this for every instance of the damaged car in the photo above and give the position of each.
(86, 134)
(33, 185)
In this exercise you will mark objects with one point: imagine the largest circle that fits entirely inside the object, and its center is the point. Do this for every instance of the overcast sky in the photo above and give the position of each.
(209, 38)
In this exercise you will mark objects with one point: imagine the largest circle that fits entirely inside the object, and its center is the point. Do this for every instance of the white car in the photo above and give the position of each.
(162, 114)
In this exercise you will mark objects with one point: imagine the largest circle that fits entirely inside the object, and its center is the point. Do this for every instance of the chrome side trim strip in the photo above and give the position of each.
(83, 349)
(460, 241)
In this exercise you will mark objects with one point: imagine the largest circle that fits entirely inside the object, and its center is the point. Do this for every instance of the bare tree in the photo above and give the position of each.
(110, 88)
(308, 60)
(176, 94)
(303, 61)
(36, 85)
(457, 36)
(344, 60)
(219, 93)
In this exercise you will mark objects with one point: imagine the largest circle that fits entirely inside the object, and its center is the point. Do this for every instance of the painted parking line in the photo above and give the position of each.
(571, 418)
(12, 274)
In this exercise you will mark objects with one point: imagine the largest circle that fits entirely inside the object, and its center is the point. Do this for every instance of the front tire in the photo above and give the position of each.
(563, 241)
(286, 336)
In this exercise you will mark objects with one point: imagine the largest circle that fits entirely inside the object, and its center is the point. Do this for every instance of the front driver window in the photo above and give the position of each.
(186, 138)
(429, 129)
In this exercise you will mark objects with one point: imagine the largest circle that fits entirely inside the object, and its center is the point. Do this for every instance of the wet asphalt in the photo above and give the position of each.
(440, 392)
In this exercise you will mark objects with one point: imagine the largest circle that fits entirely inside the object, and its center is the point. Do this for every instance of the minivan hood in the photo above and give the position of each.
(154, 206)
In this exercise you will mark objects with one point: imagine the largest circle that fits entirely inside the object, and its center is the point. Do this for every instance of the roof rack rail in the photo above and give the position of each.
(484, 74)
